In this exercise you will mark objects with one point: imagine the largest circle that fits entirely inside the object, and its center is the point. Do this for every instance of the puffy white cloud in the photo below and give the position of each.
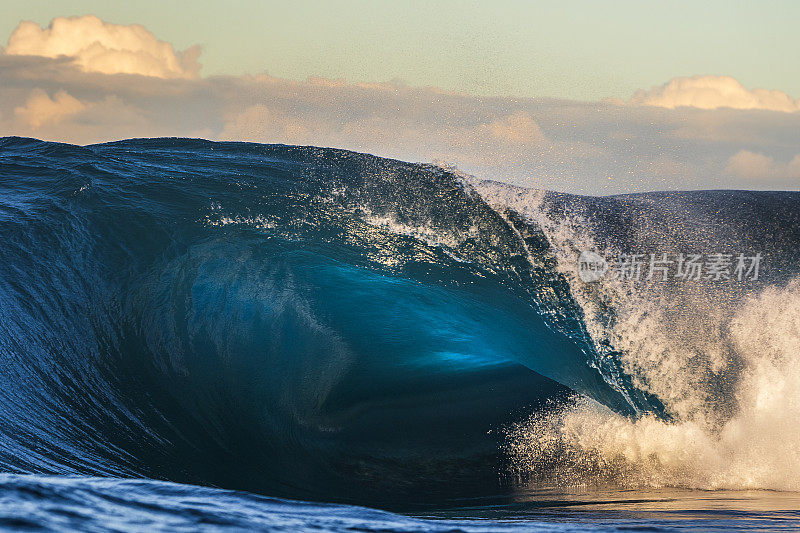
(99, 46)
(714, 92)
(757, 166)
(40, 109)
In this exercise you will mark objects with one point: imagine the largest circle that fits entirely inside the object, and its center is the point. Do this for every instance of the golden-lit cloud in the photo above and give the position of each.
(757, 166)
(714, 92)
(41, 109)
(99, 46)
(258, 123)
(517, 128)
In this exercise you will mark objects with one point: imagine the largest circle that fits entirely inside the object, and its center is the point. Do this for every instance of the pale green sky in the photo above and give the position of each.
(579, 49)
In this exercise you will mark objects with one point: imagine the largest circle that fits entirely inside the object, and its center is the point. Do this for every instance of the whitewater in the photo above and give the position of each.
(217, 335)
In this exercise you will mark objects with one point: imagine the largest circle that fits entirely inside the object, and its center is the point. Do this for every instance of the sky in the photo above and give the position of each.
(584, 50)
(586, 97)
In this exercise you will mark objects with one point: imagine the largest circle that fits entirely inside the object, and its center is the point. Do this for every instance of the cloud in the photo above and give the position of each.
(714, 92)
(757, 166)
(40, 109)
(98, 46)
(258, 123)
(393, 120)
(517, 128)
(63, 117)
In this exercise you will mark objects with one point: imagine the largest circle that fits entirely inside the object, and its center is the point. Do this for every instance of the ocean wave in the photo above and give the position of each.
(323, 324)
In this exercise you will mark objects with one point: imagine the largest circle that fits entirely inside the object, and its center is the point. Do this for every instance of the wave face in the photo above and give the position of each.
(329, 325)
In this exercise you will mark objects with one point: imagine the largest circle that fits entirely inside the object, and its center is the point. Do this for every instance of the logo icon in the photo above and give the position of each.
(591, 266)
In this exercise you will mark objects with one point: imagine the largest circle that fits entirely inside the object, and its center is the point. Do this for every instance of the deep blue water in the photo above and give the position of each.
(100, 504)
(319, 325)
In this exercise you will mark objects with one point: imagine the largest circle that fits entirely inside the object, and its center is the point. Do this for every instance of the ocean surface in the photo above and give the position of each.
(200, 335)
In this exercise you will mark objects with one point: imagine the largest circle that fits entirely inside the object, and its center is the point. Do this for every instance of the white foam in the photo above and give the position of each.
(758, 447)
(727, 370)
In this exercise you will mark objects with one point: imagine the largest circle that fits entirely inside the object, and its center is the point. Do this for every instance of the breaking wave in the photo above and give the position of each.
(329, 325)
